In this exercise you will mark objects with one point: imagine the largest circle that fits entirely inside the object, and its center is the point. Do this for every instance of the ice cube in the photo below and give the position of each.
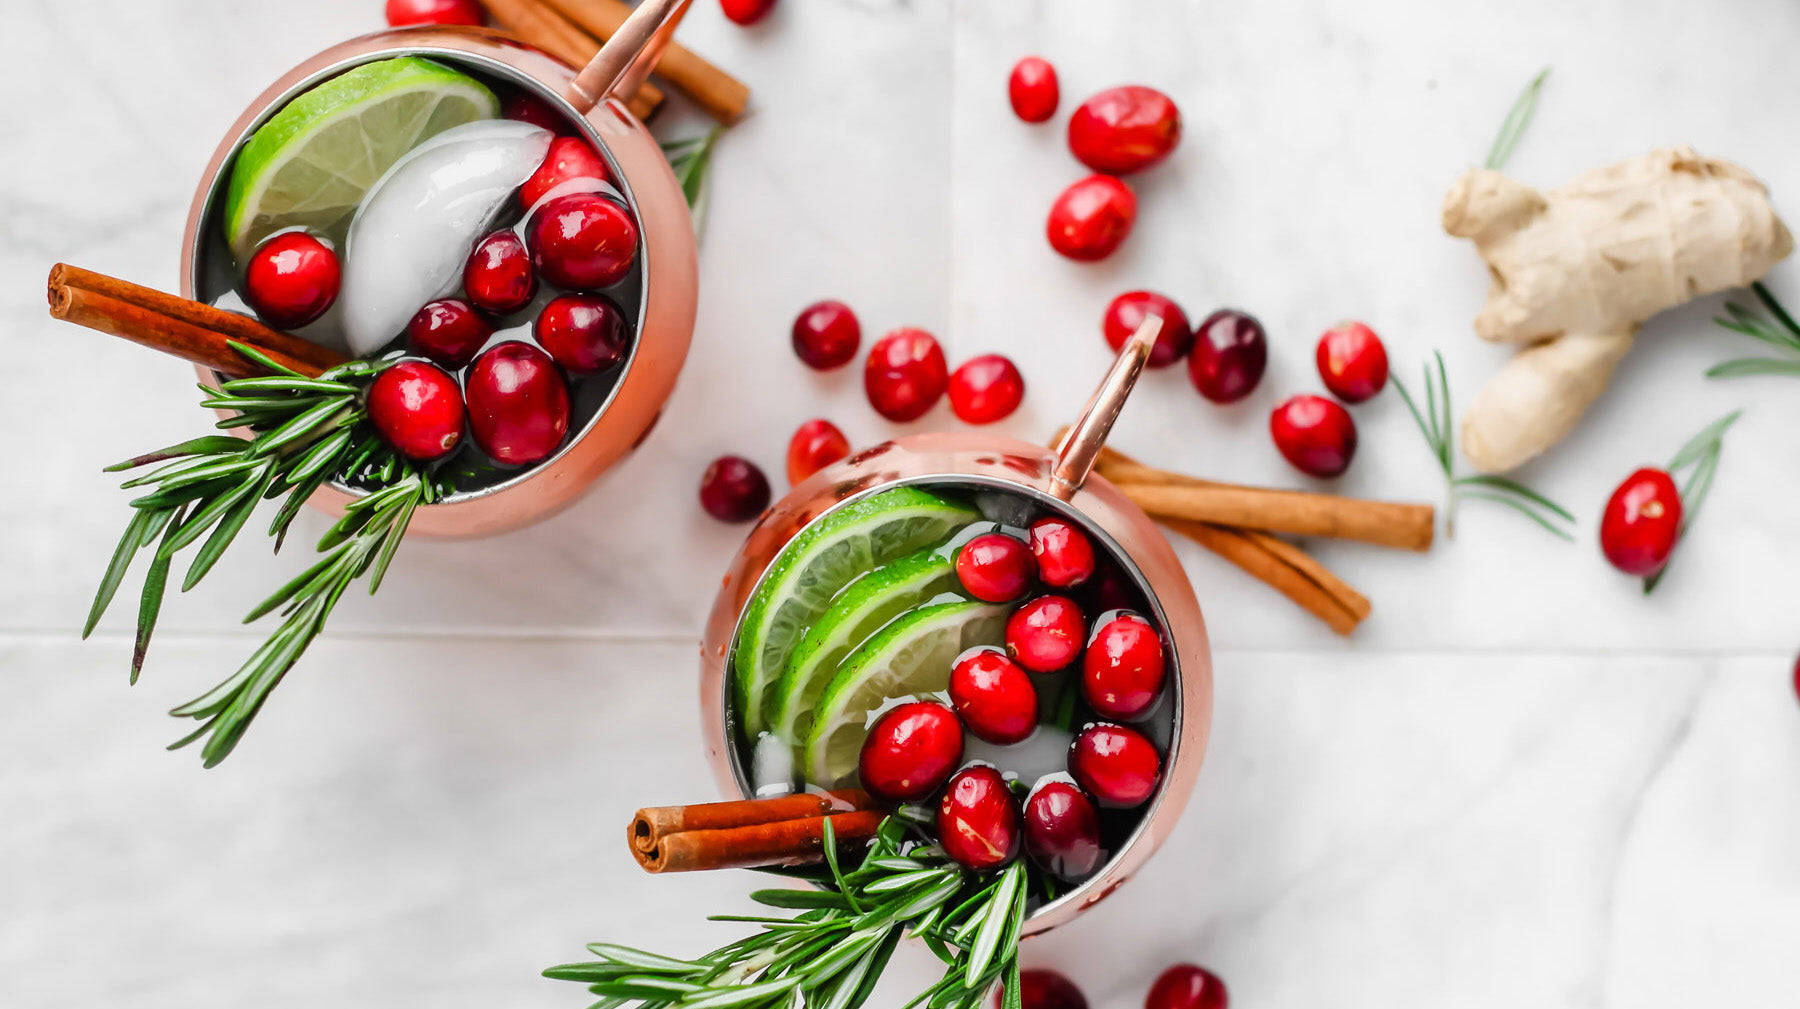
(772, 766)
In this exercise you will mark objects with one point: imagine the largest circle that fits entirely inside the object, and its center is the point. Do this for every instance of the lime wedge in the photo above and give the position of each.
(857, 612)
(910, 656)
(310, 164)
(814, 567)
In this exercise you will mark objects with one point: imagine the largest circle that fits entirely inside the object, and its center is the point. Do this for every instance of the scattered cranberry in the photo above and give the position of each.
(910, 752)
(1091, 217)
(1122, 669)
(1352, 362)
(1314, 434)
(1117, 765)
(1797, 677)
(434, 12)
(585, 333)
(977, 821)
(518, 403)
(583, 240)
(1046, 634)
(1641, 522)
(291, 280)
(1230, 353)
(826, 335)
(815, 445)
(1033, 89)
(1062, 830)
(995, 567)
(905, 374)
(1186, 986)
(1043, 989)
(986, 389)
(733, 489)
(1065, 556)
(498, 277)
(1124, 129)
(417, 408)
(526, 107)
(449, 332)
(994, 697)
(747, 12)
(1128, 311)
(568, 158)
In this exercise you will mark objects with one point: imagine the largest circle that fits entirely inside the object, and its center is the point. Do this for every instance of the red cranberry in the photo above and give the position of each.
(747, 12)
(1062, 830)
(995, 567)
(826, 335)
(417, 408)
(585, 333)
(568, 158)
(434, 12)
(978, 821)
(1046, 634)
(1091, 218)
(1065, 556)
(905, 374)
(1314, 434)
(498, 277)
(291, 280)
(525, 107)
(733, 489)
(1641, 522)
(1797, 678)
(518, 403)
(1033, 89)
(583, 240)
(1128, 311)
(1122, 669)
(1186, 986)
(815, 445)
(1352, 362)
(986, 389)
(1117, 765)
(1230, 353)
(1124, 129)
(1043, 989)
(910, 752)
(449, 332)
(994, 697)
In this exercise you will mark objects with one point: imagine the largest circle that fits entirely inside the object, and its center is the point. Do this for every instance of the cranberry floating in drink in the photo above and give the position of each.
(1062, 830)
(582, 240)
(1065, 556)
(995, 567)
(1122, 669)
(1045, 635)
(498, 277)
(418, 409)
(291, 280)
(1117, 765)
(518, 404)
(910, 752)
(994, 697)
(449, 332)
(568, 158)
(978, 819)
(585, 333)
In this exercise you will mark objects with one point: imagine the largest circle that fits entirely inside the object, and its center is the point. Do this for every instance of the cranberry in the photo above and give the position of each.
(1186, 986)
(1124, 129)
(1117, 765)
(826, 335)
(583, 240)
(518, 403)
(585, 333)
(1230, 353)
(417, 408)
(449, 332)
(434, 12)
(1091, 217)
(986, 389)
(910, 752)
(1062, 830)
(905, 374)
(292, 279)
(568, 158)
(978, 821)
(1314, 434)
(1046, 634)
(525, 107)
(1122, 669)
(1128, 311)
(1797, 677)
(1033, 89)
(994, 697)
(747, 12)
(733, 489)
(1352, 362)
(498, 277)
(815, 445)
(1065, 556)
(995, 567)
(1043, 989)
(1641, 522)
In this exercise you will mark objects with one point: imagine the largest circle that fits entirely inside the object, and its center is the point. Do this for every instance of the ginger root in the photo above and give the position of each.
(1577, 270)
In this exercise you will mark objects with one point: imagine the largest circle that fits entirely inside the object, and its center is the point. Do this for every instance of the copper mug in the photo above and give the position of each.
(1061, 482)
(593, 99)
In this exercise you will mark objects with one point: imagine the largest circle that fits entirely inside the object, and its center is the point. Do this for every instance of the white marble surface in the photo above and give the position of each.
(1522, 783)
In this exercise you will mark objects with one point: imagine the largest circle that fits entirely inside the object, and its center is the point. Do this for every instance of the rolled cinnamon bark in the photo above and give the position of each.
(538, 24)
(799, 841)
(1297, 513)
(653, 823)
(723, 96)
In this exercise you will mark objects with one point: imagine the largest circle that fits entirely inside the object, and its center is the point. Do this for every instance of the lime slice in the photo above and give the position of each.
(857, 612)
(310, 164)
(910, 656)
(815, 566)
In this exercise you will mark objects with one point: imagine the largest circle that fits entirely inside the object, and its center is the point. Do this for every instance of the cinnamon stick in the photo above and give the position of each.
(723, 96)
(653, 823)
(537, 24)
(1298, 513)
(783, 831)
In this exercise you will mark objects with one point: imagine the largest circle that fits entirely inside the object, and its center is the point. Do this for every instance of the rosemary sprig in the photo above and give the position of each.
(832, 952)
(1517, 118)
(691, 158)
(1783, 334)
(1436, 424)
(1700, 456)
